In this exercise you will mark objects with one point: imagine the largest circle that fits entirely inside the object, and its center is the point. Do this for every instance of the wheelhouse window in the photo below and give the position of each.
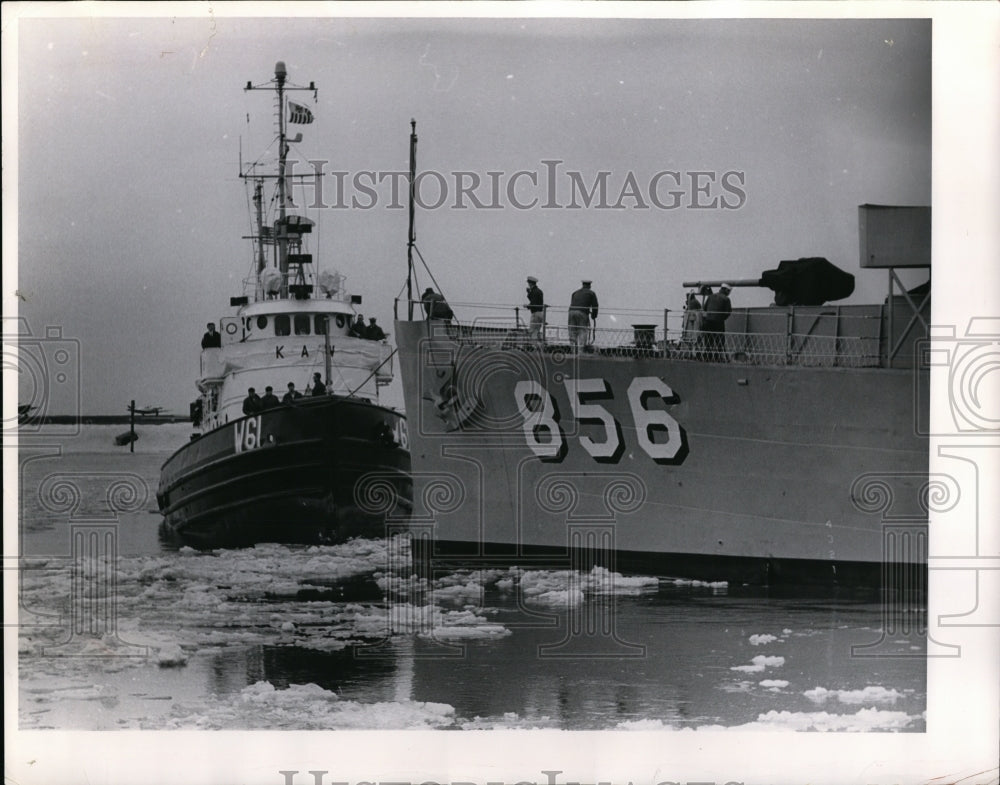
(282, 324)
(320, 325)
(302, 324)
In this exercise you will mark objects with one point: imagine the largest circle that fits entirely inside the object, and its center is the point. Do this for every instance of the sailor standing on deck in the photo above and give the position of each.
(270, 400)
(252, 403)
(691, 330)
(582, 309)
(211, 339)
(373, 332)
(717, 310)
(292, 394)
(536, 307)
(318, 388)
(436, 306)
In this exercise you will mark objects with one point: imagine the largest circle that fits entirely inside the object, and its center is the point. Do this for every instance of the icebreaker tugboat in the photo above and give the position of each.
(309, 468)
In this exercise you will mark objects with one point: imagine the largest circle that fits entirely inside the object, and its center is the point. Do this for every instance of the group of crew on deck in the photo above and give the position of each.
(370, 331)
(254, 403)
(212, 339)
(705, 321)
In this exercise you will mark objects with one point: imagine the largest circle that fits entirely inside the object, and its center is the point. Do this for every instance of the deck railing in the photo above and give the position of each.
(844, 336)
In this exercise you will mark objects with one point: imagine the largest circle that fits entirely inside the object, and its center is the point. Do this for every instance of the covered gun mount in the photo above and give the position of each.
(809, 281)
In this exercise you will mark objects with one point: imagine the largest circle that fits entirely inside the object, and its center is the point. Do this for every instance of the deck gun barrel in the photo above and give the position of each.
(734, 282)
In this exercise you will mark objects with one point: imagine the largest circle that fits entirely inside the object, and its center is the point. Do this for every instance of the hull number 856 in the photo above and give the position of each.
(656, 432)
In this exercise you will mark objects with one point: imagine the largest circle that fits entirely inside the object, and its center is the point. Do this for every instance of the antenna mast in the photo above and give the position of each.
(279, 79)
(412, 238)
(278, 86)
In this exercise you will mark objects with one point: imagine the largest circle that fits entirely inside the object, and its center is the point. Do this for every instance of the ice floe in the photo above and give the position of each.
(760, 640)
(778, 684)
(569, 588)
(759, 663)
(870, 694)
(305, 707)
(865, 720)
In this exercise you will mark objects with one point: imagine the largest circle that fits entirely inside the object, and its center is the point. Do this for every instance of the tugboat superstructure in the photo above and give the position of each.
(285, 464)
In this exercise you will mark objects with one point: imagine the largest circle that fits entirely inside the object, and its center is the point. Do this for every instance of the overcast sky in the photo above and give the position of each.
(130, 131)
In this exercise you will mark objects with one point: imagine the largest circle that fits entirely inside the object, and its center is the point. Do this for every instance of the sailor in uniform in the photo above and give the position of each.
(211, 339)
(582, 310)
(536, 307)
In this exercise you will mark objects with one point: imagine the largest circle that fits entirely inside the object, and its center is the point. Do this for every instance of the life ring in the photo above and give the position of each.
(231, 328)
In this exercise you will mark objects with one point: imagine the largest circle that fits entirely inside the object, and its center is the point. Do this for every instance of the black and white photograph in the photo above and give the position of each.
(613, 385)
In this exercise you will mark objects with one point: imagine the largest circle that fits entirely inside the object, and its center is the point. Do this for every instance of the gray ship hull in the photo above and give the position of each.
(711, 470)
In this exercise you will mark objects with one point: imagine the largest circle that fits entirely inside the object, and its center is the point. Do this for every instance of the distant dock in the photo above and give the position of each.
(103, 419)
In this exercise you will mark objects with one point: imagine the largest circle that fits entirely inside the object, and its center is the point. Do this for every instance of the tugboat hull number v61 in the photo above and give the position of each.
(248, 434)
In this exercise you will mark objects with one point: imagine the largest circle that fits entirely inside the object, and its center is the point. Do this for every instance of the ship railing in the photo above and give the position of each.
(822, 338)
(777, 349)
(842, 336)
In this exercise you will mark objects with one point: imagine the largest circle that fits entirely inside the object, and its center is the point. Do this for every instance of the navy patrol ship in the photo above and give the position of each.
(289, 470)
(788, 453)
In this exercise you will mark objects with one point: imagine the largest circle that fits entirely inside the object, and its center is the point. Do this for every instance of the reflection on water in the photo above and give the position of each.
(296, 637)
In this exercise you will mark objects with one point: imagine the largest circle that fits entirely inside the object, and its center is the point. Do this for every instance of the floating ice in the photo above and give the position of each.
(760, 662)
(508, 720)
(774, 683)
(718, 586)
(171, 657)
(306, 707)
(865, 720)
(646, 724)
(569, 588)
(758, 640)
(870, 694)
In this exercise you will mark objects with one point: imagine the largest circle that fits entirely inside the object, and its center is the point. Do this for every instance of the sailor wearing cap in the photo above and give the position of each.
(436, 306)
(717, 310)
(582, 310)
(269, 400)
(536, 307)
(373, 332)
(251, 404)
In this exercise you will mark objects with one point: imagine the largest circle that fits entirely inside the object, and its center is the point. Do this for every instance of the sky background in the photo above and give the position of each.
(130, 131)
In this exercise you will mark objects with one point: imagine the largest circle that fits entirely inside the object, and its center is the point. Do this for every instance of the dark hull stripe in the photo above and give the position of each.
(907, 577)
(294, 483)
(197, 469)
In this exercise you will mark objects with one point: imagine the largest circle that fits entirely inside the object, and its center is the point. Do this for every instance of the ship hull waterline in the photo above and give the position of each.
(717, 471)
(321, 470)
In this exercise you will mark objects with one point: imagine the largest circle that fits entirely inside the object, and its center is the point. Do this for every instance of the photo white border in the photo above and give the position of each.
(963, 693)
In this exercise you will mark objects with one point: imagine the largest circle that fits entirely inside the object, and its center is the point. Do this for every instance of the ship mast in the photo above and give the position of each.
(281, 235)
(412, 236)
(258, 198)
(279, 78)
